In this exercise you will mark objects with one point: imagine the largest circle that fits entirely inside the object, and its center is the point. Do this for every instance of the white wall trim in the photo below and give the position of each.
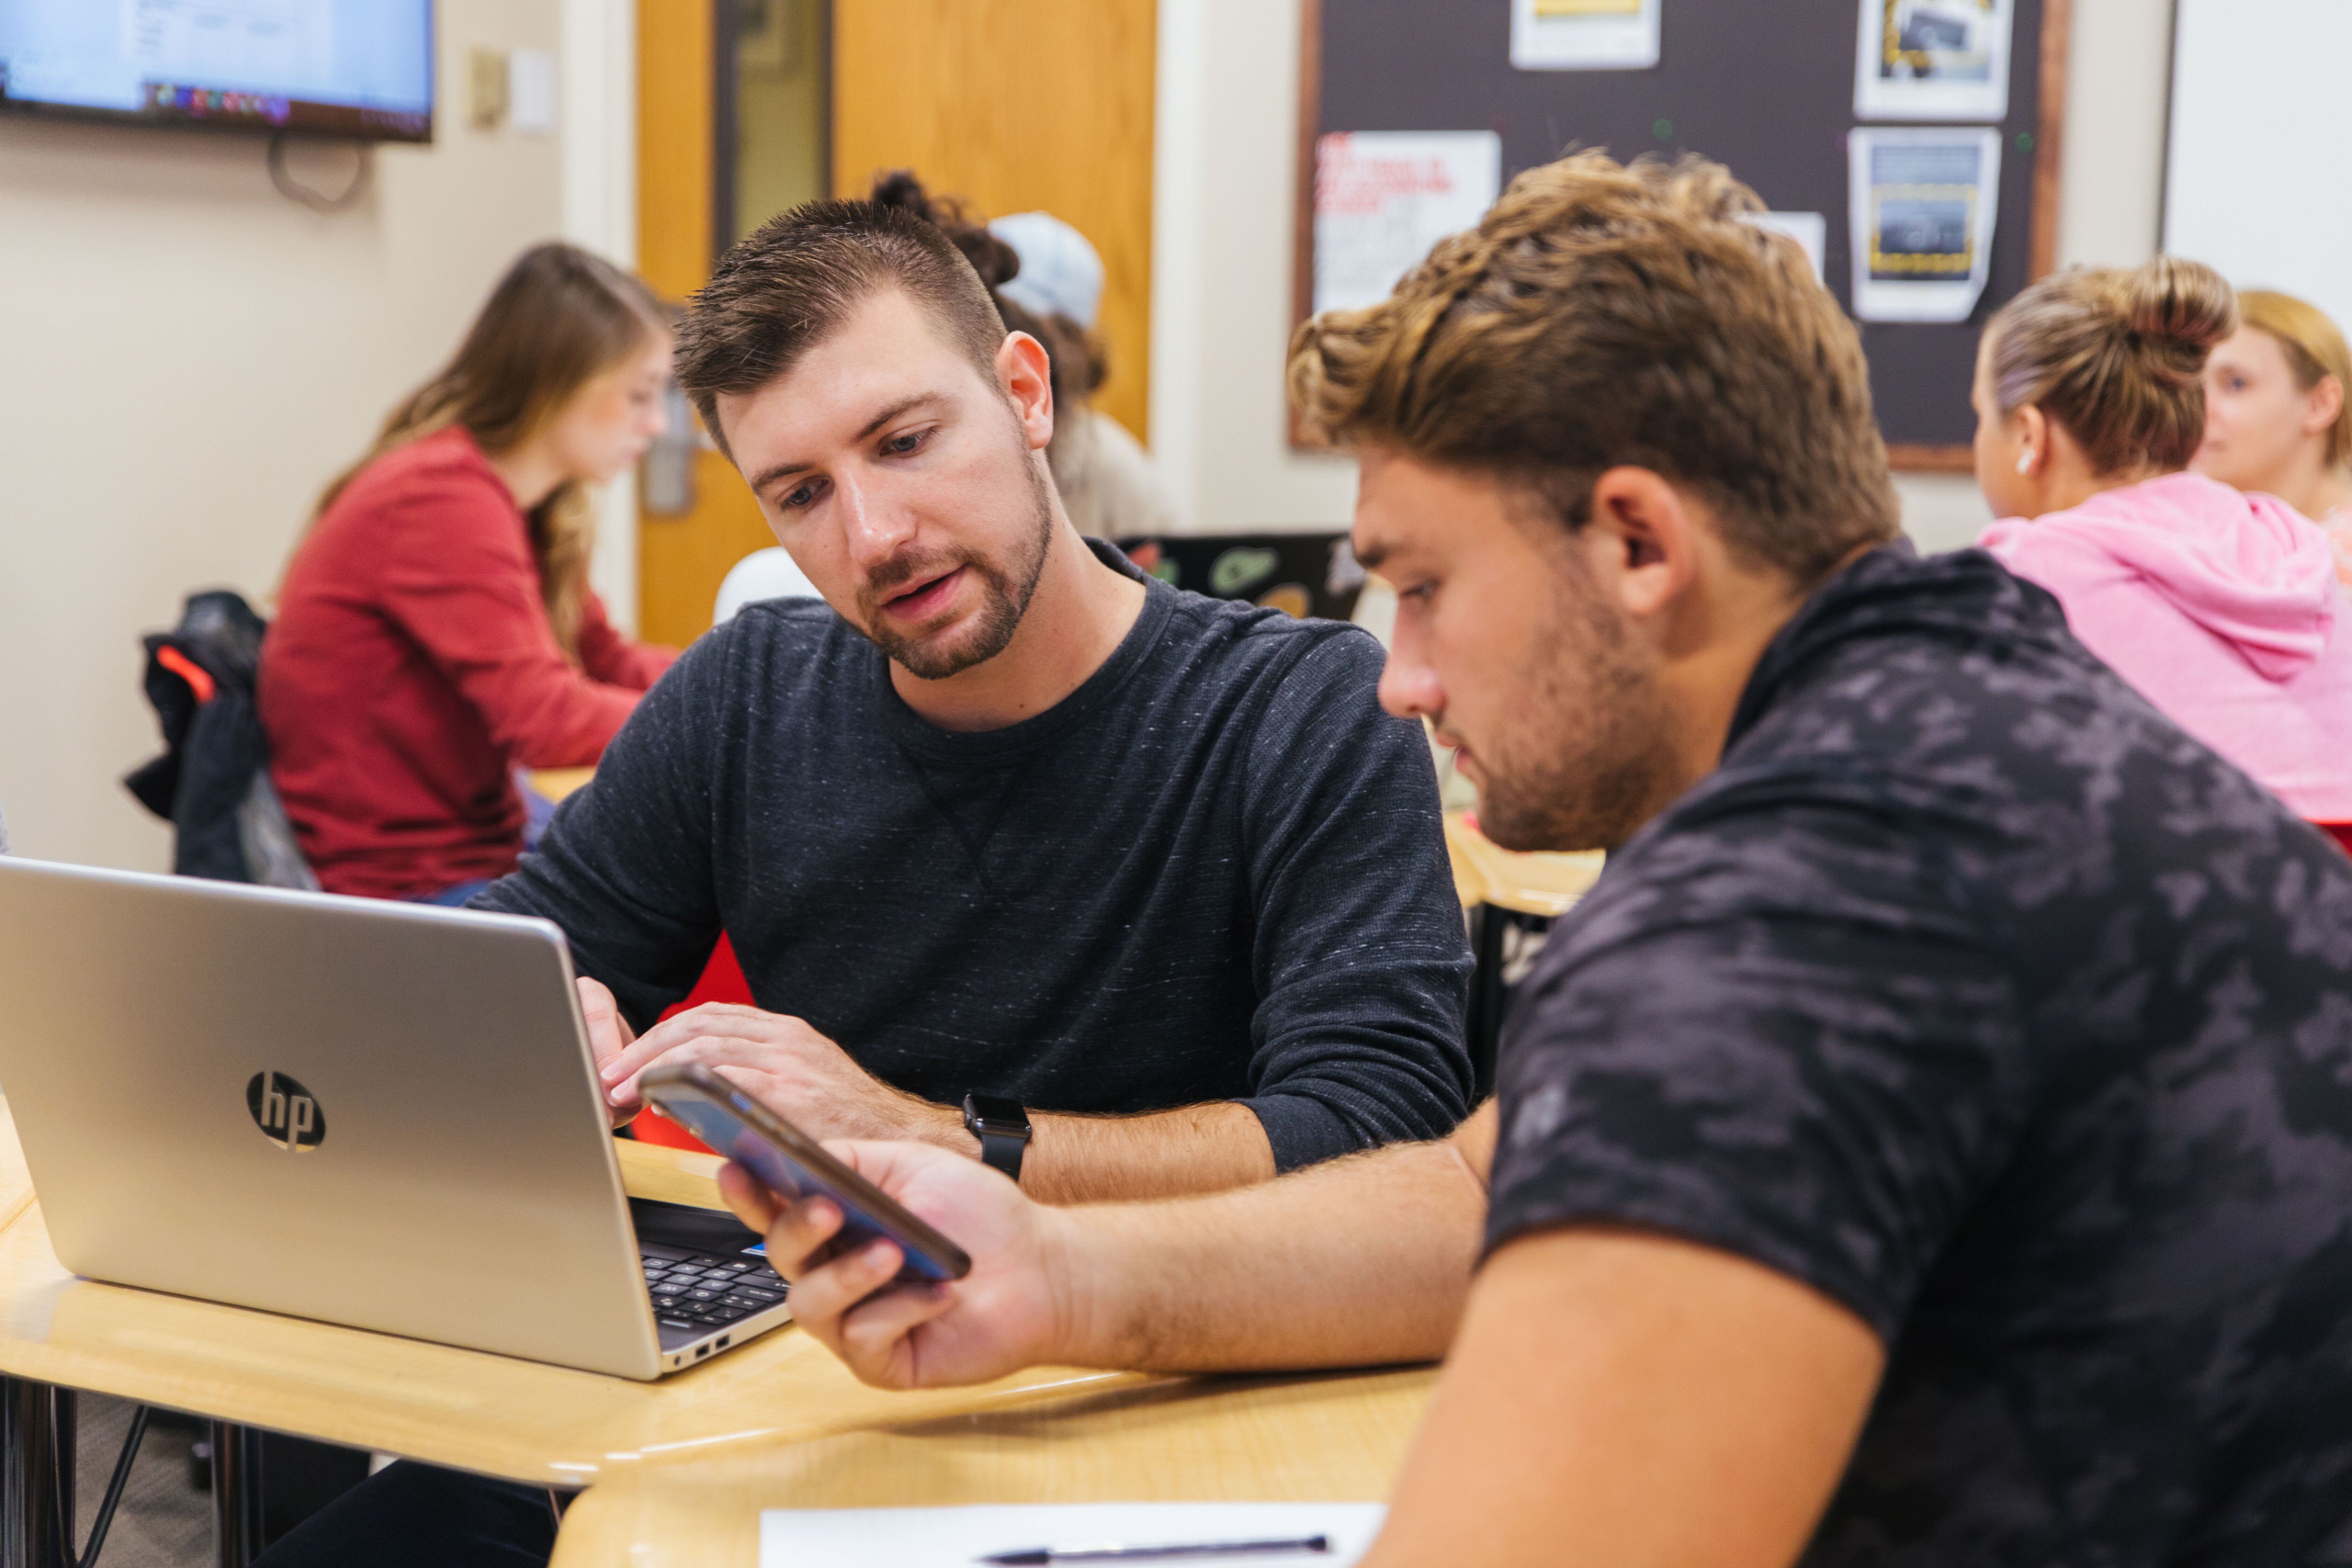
(597, 81)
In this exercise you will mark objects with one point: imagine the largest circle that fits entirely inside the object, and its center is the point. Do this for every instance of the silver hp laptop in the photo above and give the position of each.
(378, 1114)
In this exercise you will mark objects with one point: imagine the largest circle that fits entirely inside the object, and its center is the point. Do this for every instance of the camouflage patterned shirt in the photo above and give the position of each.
(1974, 993)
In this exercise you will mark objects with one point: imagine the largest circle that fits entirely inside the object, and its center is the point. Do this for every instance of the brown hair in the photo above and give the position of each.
(795, 278)
(2315, 350)
(1602, 314)
(1070, 358)
(559, 318)
(2115, 357)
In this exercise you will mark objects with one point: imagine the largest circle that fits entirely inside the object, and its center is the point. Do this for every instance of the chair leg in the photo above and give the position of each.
(236, 1494)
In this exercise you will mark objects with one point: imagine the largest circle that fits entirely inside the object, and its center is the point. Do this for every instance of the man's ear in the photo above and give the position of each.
(1027, 377)
(1641, 540)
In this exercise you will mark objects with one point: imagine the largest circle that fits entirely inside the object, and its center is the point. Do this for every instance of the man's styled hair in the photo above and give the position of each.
(1602, 314)
(796, 279)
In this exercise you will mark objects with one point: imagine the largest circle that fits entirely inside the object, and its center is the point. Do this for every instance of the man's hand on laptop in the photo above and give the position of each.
(787, 1064)
(1014, 1310)
(608, 1035)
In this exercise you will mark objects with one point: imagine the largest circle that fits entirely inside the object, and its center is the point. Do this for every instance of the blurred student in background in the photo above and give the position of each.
(1109, 483)
(1047, 281)
(2221, 607)
(437, 630)
(2276, 417)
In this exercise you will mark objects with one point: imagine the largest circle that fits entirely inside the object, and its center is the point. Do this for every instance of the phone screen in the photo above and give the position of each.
(791, 1164)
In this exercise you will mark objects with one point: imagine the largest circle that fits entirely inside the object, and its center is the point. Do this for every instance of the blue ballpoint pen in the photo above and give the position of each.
(1040, 1556)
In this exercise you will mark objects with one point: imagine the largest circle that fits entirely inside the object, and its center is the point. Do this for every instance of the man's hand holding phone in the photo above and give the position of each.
(1014, 1310)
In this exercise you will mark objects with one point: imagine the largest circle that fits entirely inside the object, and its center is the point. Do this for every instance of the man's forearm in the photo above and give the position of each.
(1362, 1262)
(1112, 1159)
(1167, 1153)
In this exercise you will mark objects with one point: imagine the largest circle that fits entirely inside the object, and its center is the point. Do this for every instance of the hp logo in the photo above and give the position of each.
(286, 1113)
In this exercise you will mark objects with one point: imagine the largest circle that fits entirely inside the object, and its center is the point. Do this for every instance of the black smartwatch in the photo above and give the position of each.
(1002, 1127)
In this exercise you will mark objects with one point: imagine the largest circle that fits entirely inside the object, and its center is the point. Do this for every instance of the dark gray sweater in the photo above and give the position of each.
(1213, 872)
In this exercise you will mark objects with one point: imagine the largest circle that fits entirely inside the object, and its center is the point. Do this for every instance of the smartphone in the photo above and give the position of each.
(793, 1164)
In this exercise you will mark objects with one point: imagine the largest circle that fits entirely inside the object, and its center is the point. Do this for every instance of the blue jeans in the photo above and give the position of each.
(451, 897)
(418, 1516)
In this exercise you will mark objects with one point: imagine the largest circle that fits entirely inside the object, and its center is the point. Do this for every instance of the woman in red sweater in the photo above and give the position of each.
(435, 629)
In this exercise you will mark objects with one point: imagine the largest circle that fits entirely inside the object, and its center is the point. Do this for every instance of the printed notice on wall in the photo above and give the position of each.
(1584, 35)
(1923, 204)
(1809, 229)
(1384, 197)
(1933, 60)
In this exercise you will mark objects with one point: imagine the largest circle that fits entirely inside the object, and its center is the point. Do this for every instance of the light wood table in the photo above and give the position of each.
(557, 783)
(249, 1370)
(1186, 1439)
(1530, 884)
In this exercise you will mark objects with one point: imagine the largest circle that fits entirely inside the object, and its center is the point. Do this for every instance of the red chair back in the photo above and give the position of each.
(2340, 831)
(722, 981)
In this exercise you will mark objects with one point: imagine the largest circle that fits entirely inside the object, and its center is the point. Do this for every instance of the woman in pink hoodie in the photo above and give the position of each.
(2222, 608)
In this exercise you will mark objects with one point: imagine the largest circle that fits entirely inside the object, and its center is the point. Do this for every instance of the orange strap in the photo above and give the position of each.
(188, 670)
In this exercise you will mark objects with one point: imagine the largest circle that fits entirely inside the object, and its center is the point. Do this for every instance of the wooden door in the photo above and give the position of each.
(1016, 105)
(682, 558)
(1013, 105)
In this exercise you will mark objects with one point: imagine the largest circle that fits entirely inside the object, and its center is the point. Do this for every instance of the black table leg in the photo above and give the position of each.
(236, 1494)
(36, 1474)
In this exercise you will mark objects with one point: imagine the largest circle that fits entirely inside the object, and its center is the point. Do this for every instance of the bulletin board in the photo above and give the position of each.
(1766, 89)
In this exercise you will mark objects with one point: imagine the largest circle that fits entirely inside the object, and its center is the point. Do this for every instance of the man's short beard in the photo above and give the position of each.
(1008, 588)
(1592, 760)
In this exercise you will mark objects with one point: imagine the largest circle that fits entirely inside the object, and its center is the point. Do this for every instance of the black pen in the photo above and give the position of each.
(1039, 1556)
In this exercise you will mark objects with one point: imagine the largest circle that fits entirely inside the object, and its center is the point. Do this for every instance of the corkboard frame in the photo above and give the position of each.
(2047, 70)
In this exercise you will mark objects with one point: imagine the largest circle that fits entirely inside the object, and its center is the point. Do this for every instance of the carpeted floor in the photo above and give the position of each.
(163, 1522)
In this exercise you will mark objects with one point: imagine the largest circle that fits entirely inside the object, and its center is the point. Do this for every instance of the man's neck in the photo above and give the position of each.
(1075, 620)
(1725, 644)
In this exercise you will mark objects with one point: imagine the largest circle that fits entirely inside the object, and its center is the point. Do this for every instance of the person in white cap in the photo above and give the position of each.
(1109, 483)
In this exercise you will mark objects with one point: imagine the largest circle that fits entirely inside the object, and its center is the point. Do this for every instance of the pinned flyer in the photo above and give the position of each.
(1384, 197)
(1584, 35)
(1933, 60)
(1923, 204)
(1809, 229)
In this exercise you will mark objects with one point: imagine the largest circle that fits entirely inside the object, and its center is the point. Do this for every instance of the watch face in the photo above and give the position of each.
(998, 1115)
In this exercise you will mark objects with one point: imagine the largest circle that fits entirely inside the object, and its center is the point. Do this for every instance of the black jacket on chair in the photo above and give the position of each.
(212, 780)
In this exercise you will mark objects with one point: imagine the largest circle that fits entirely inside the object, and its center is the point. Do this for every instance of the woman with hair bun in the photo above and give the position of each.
(2277, 414)
(2221, 607)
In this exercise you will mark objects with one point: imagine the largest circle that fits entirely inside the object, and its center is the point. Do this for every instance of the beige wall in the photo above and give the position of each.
(185, 357)
(1221, 301)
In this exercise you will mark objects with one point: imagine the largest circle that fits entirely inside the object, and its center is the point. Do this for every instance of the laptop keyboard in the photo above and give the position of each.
(706, 1290)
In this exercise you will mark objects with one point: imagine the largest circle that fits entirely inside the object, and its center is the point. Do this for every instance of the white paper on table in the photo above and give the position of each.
(1932, 59)
(952, 1538)
(1584, 35)
(1810, 229)
(1384, 197)
(1922, 209)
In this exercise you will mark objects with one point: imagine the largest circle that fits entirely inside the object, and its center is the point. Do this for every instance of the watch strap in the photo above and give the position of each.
(1002, 1152)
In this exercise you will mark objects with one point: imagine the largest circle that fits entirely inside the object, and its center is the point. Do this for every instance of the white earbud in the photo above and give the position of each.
(2025, 461)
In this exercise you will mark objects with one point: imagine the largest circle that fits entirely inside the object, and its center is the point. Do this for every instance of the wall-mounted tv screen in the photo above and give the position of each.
(356, 68)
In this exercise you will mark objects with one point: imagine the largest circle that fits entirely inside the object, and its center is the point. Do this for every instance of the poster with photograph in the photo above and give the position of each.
(1584, 35)
(1809, 229)
(1384, 197)
(1922, 202)
(1933, 60)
